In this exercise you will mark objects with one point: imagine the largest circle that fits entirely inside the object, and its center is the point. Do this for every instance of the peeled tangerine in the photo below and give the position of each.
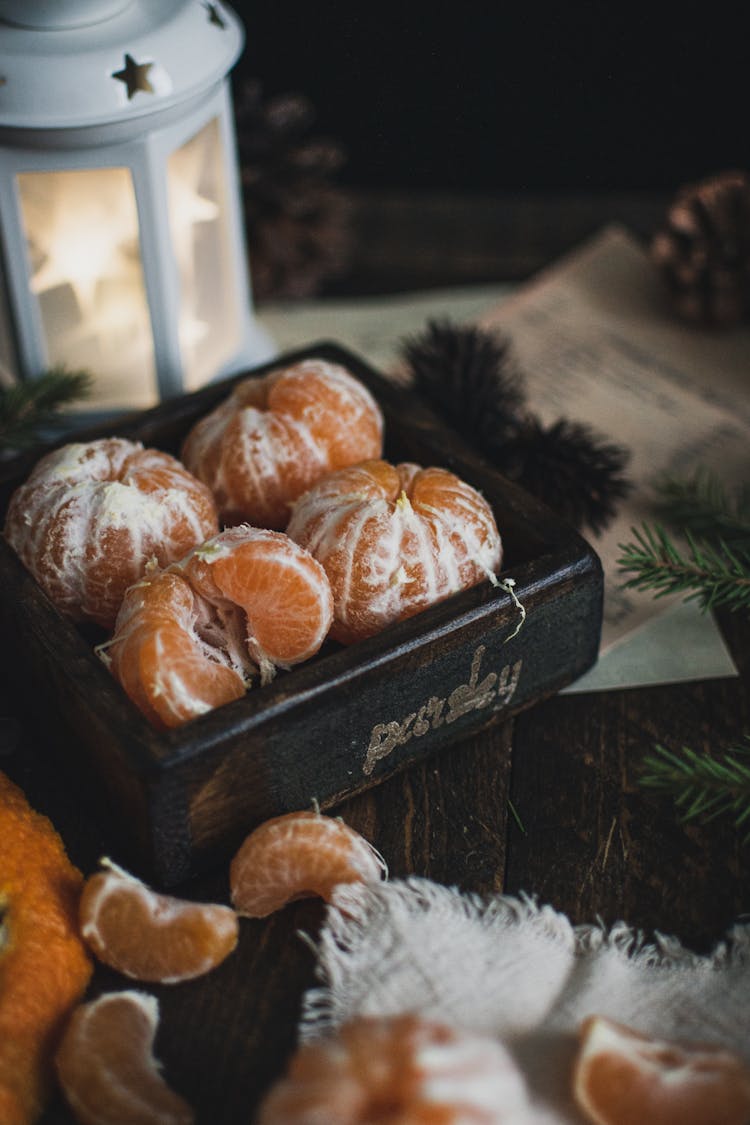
(106, 1067)
(150, 936)
(623, 1078)
(299, 855)
(277, 434)
(394, 539)
(92, 515)
(379, 1071)
(189, 638)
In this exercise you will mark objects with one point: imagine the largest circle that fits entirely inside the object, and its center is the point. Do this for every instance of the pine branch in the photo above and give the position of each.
(712, 575)
(704, 508)
(25, 408)
(703, 787)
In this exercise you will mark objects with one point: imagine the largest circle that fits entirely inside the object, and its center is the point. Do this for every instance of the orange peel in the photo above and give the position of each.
(44, 965)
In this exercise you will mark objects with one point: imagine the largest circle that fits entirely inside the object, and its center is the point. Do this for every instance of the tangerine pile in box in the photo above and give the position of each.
(281, 525)
(404, 670)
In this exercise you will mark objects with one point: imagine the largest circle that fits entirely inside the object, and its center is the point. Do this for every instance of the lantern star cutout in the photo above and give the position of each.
(135, 77)
(215, 16)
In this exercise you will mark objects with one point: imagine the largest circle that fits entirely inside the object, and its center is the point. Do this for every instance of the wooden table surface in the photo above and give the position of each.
(587, 838)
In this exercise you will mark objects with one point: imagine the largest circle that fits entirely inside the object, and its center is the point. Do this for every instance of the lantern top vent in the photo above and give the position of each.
(99, 62)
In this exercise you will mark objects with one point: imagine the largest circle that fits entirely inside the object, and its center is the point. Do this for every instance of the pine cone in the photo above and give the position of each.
(703, 250)
(297, 221)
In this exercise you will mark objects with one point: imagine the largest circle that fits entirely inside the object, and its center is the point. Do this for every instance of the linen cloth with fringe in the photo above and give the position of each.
(520, 971)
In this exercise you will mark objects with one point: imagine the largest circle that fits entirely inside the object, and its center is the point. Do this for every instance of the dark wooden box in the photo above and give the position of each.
(348, 718)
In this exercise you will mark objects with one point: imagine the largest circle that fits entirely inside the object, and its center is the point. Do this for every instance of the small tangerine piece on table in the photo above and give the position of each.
(404, 1068)
(299, 855)
(44, 965)
(621, 1077)
(150, 936)
(106, 1066)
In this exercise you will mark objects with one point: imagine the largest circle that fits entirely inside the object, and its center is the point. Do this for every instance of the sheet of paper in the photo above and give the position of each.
(597, 343)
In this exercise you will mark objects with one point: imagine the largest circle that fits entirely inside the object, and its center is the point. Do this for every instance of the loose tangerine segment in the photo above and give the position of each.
(93, 515)
(623, 1078)
(150, 936)
(378, 1071)
(106, 1065)
(298, 855)
(44, 966)
(277, 434)
(393, 540)
(190, 638)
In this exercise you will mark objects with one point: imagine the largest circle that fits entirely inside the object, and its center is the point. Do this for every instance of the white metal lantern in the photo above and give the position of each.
(120, 221)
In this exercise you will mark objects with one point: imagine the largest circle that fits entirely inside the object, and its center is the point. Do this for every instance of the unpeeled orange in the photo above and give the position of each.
(150, 936)
(277, 434)
(401, 1069)
(106, 1066)
(44, 965)
(190, 638)
(92, 515)
(395, 539)
(299, 855)
(624, 1078)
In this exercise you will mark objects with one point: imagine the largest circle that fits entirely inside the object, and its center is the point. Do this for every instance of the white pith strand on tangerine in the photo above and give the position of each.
(275, 435)
(387, 550)
(100, 1088)
(298, 855)
(92, 515)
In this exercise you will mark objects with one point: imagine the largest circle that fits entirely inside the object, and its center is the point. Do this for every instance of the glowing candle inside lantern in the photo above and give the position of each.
(82, 236)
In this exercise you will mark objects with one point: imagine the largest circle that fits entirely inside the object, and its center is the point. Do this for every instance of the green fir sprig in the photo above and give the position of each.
(702, 786)
(713, 566)
(27, 407)
(713, 575)
(703, 507)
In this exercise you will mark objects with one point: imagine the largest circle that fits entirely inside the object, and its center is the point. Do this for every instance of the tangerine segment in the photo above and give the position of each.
(405, 1069)
(150, 936)
(623, 1078)
(298, 855)
(394, 540)
(44, 966)
(106, 1065)
(92, 515)
(282, 591)
(176, 655)
(277, 434)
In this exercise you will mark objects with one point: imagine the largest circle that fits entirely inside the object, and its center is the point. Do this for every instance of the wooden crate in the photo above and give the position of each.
(346, 719)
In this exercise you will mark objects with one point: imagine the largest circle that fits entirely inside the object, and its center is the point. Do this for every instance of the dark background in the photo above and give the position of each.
(490, 97)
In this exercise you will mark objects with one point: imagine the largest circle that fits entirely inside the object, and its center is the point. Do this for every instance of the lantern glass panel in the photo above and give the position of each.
(8, 363)
(81, 230)
(210, 317)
